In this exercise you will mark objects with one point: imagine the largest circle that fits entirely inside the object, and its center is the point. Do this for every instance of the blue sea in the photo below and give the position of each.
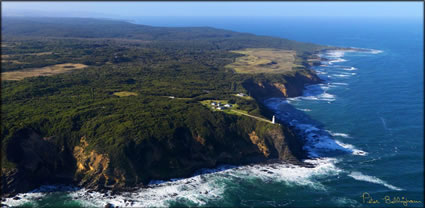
(363, 126)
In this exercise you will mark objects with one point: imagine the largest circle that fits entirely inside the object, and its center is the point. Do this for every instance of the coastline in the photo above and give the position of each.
(308, 162)
(371, 102)
(301, 155)
(317, 141)
(312, 162)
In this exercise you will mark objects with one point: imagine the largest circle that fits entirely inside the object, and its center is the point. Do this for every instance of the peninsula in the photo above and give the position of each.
(107, 104)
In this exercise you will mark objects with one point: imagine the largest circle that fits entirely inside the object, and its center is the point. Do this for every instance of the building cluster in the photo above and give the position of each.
(220, 106)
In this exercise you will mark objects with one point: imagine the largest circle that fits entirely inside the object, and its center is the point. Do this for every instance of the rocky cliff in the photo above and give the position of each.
(281, 85)
(39, 160)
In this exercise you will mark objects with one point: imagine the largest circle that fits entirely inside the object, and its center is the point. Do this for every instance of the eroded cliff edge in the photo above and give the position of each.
(39, 160)
(267, 86)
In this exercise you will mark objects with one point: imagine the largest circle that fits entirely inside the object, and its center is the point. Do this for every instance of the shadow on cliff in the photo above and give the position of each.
(38, 160)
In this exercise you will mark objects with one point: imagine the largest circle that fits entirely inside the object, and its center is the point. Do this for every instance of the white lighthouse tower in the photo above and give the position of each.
(273, 120)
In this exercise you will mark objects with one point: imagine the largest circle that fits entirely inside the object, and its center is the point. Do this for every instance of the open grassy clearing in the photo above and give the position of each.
(264, 60)
(5, 56)
(208, 102)
(38, 54)
(26, 54)
(177, 98)
(234, 110)
(13, 61)
(125, 94)
(44, 71)
(241, 112)
(246, 97)
(223, 102)
(5, 45)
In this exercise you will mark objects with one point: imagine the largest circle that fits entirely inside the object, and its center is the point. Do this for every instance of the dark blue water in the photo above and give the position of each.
(364, 124)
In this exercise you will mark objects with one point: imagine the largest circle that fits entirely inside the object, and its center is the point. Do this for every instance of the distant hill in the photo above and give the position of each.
(101, 28)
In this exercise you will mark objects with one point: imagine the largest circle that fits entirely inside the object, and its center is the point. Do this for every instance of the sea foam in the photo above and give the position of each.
(350, 68)
(317, 142)
(339, 134)
(200, 189)
(372, 179)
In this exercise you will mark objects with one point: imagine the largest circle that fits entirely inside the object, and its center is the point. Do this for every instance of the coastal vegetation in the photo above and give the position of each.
(264, 60)
(130, 107)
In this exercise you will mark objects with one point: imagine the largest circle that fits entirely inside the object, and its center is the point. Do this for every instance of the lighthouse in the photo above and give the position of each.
(273, 120)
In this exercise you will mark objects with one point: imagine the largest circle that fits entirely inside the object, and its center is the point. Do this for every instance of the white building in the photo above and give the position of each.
(227, 105)
(214, 103)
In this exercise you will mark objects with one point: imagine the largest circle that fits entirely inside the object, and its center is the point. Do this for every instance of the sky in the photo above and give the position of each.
(188, 9)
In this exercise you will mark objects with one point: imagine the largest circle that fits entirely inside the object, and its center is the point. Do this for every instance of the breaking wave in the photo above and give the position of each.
(335, 134)
(372, 179)
(317, 142)
(350, 68)
(198, 190)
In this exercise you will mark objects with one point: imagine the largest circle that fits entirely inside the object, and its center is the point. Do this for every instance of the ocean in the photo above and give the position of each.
(363, 126)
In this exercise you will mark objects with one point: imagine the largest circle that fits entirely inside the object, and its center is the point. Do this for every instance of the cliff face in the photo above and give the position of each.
(247, 142)
(93, 169)
(286, 86)
(40, 161)
(37, 161)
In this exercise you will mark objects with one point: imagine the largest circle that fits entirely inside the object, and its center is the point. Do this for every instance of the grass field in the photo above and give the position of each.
(264, 60)
(13, 61)
(25, 54)
(246, 97)
(234, 110)
(40, 54)
(208, 102)
(125, 94)
(223, 102)
(44, 71)
(5, 56)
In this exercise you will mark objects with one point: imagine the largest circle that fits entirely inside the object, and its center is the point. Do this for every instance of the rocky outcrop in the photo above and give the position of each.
(93, 169)
(287, 144)
(260, 144)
